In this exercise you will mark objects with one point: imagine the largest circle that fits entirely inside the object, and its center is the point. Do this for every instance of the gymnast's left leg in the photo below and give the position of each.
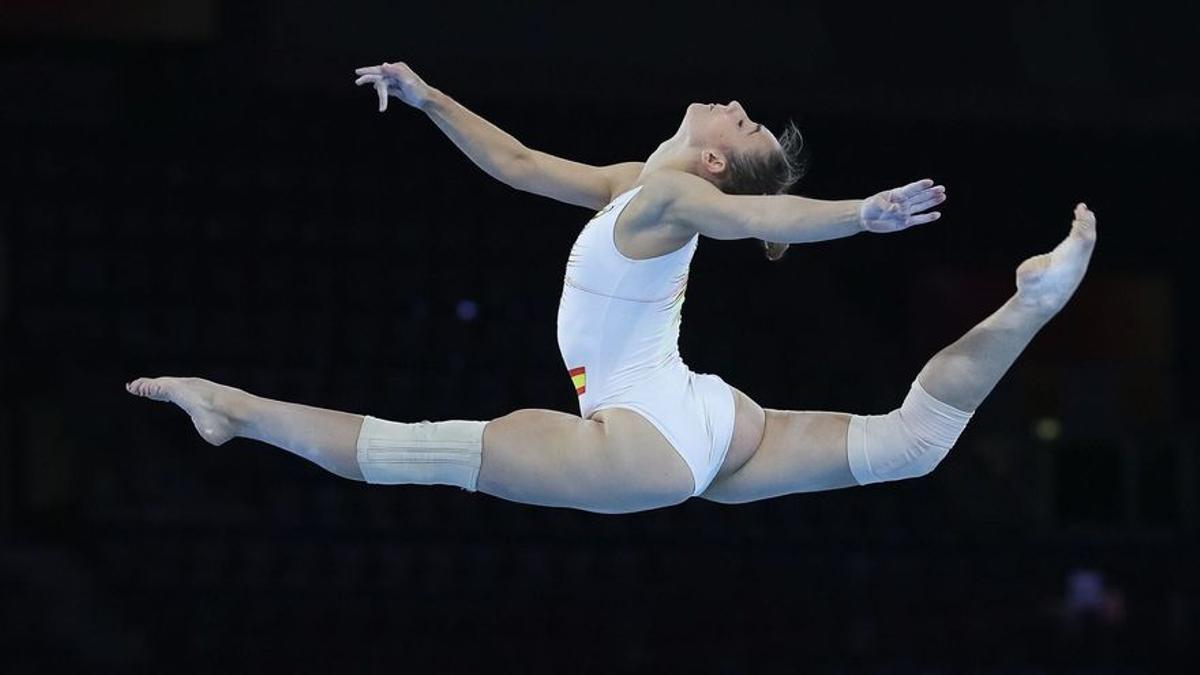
(805, 451)
(220, 413)
(540, 457)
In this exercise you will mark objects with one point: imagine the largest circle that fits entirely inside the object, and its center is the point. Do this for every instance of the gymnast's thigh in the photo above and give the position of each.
(800, 451)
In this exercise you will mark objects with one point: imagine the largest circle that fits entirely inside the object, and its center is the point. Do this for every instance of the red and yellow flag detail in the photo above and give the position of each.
(579, 379)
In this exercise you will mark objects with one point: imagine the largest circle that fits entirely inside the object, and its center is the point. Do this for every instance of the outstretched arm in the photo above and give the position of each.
(692, 202)
(495, 151)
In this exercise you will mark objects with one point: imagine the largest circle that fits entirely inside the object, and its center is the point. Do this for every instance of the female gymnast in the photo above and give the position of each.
(651, 432)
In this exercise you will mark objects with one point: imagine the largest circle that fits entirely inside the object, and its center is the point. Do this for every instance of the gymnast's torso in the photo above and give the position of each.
(619, 316)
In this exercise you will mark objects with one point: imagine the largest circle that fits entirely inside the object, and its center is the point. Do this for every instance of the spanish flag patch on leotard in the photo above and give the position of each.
(579, 379)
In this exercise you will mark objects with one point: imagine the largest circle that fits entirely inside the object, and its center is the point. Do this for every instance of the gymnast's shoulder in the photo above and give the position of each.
(687, 200)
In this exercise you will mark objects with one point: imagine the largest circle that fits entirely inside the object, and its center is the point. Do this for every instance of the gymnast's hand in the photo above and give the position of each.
(900, 208)
(394, 79)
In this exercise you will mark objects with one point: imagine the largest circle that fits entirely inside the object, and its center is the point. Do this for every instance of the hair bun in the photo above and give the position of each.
(774, 251)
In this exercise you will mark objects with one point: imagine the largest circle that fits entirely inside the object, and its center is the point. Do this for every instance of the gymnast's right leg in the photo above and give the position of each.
(540, 457)
(806, 451)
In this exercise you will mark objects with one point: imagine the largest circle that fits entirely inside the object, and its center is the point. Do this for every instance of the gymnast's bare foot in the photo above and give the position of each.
(206, 402)
(1045, 282)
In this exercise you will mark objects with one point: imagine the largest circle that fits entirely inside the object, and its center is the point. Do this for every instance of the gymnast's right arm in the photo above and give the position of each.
(495, 151)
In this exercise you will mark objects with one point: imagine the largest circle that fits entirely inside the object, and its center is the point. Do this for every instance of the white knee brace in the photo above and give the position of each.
(426, 453)
(905, 443)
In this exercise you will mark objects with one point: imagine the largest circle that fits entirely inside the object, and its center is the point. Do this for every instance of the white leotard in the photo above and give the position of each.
(618, 331)
(619, 318)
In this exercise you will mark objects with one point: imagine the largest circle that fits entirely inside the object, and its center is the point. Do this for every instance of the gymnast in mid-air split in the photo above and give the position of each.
(651, 433)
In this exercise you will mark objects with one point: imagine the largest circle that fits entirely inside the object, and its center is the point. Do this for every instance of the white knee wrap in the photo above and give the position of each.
(426, 453)
(905, 443)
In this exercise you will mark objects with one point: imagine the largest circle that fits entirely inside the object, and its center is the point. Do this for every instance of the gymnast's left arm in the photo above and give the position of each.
(786, 219)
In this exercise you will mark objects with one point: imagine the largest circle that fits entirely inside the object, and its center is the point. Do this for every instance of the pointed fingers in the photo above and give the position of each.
(935, 191)
(368, 70)
(924, 218)
(913, 188)
(368, 78)
(923, 202)
(381, 89)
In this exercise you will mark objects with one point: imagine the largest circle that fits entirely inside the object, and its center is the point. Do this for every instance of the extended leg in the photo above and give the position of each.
(806, 451)
(540, 457)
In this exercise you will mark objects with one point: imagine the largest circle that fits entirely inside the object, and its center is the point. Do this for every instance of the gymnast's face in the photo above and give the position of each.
(717, 130)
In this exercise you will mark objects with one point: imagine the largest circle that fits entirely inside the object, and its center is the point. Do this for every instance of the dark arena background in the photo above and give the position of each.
(196, 187)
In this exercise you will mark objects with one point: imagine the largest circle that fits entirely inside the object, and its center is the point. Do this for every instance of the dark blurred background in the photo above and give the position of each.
(196, 187)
